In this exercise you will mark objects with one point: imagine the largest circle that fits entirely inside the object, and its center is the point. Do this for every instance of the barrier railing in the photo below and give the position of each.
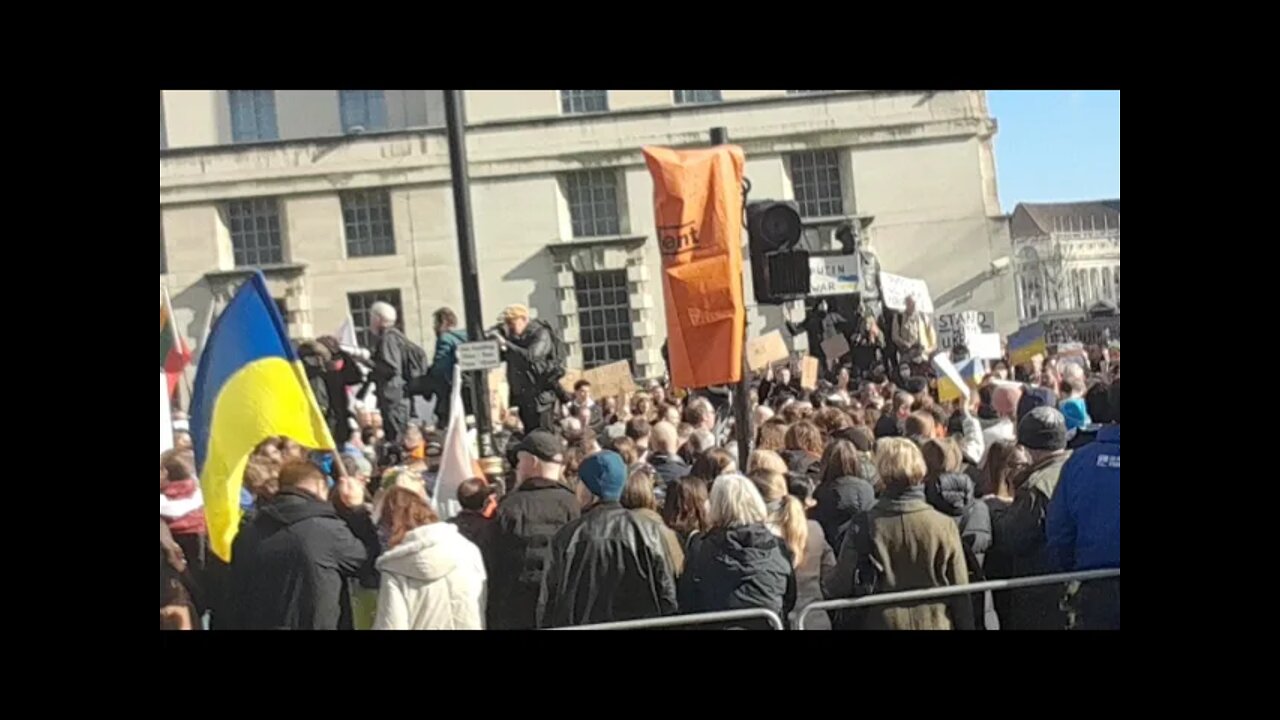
(774, 621)
(907, 596)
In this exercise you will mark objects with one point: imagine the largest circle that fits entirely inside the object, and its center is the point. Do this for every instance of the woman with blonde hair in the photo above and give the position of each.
(903, 544)
(766, 460)
(812, 556)
(432, 578)
(739, 562)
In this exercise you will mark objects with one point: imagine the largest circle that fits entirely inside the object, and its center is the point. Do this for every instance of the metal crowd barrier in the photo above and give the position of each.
(800, 615)
(775, 622)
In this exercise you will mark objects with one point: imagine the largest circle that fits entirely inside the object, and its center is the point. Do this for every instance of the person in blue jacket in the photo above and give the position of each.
(1082, 524)
(448, 338)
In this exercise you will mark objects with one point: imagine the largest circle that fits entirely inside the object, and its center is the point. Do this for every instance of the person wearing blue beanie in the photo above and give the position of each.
(610, 564)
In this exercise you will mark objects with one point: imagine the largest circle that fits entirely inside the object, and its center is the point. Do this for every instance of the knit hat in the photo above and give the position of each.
(1043, 428)
(1032, 398)
(1076, 414)
(604, 474)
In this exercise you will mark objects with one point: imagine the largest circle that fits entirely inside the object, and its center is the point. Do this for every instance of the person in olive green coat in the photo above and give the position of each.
(902, 544)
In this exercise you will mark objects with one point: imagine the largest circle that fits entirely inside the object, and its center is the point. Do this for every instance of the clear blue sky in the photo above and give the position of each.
(1056, 145)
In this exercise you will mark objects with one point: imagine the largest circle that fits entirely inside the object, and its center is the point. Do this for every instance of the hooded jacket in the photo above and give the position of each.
(291, 563)
(839, 501)
(609, 565)
(953, 495)
(734, 568)
(433, 580)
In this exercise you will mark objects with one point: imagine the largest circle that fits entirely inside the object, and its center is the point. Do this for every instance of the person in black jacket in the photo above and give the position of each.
(528, 518)
(330, 370)
(291, 564)
(475, 521)
(844, 492)
(739, 563)
(529, 351)
(610, 564)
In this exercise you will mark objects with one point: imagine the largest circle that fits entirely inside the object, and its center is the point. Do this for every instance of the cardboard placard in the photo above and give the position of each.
(896, 288)
(834, 348)
(606, 380)
(766, 350)
(809, 372)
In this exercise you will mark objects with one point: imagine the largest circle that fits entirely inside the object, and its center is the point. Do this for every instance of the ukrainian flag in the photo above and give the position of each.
(1026, 343)
(957, 381)
(249, 386)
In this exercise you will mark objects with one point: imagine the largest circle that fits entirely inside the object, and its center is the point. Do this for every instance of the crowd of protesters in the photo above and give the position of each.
(632, 507)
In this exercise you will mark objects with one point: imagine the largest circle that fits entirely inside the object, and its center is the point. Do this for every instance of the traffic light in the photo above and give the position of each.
(779, 272)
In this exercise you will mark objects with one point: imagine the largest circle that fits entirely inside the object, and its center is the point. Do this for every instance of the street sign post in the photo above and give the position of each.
(483, 355)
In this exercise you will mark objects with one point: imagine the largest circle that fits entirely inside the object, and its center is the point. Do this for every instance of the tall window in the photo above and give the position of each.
(164, 258)
(604, 317)
(1117, 285)
(255, 231)
(815, 178)
(366, 215)
(1095, 285)
(366, 109)
(359, 303)
(1077, 285)
(584, 101)
(593, 202)
(1106, 283)
(253, 115)
(689, 97)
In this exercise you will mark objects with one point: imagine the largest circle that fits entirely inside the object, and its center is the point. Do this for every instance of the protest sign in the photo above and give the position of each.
(612, 379)
(955, 328)
(985, 346)
(896, 288)
(766, 350)
(809, 372)
(834, 348)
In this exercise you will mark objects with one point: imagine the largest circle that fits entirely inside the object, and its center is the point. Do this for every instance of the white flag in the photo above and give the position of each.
(166, 424)
(456, 464)
(346, 335)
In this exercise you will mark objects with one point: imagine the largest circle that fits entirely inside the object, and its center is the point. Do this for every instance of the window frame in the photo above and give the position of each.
(359, 233)
(616, 336)
(694, 99)
(593, 224)
(273, 230)
(266, 123)
(579, 102)
(817, 173)
(350, 101)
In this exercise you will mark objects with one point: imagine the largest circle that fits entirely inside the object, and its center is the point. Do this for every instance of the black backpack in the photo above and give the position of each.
(559, 353)
(414, 365)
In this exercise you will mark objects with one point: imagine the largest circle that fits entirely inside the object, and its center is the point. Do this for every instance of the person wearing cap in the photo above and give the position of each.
(528, 518)
(1082, 524)
(1019, 533)
(609, 564)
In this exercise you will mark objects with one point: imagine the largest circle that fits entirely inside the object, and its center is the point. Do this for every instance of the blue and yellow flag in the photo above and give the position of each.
(958, 381)
(249, 386)
(1026, 343)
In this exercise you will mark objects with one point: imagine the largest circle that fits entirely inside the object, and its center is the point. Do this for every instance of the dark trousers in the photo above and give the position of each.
(533, 418)
(395, 418)
(1097, 605)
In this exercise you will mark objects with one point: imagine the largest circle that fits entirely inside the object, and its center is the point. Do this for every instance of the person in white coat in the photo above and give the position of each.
(432, 577)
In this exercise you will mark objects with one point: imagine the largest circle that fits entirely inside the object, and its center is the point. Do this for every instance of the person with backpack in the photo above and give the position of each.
(397, 361)
(535, 357)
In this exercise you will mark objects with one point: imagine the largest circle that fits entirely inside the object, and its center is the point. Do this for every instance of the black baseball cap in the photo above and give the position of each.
(544, 445)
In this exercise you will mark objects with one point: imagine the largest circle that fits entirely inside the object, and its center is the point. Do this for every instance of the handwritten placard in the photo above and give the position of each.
(897, 288)
(765, 350)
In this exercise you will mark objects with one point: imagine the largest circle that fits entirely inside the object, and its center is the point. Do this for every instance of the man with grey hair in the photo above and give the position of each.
(395, 360)
(663, 458)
